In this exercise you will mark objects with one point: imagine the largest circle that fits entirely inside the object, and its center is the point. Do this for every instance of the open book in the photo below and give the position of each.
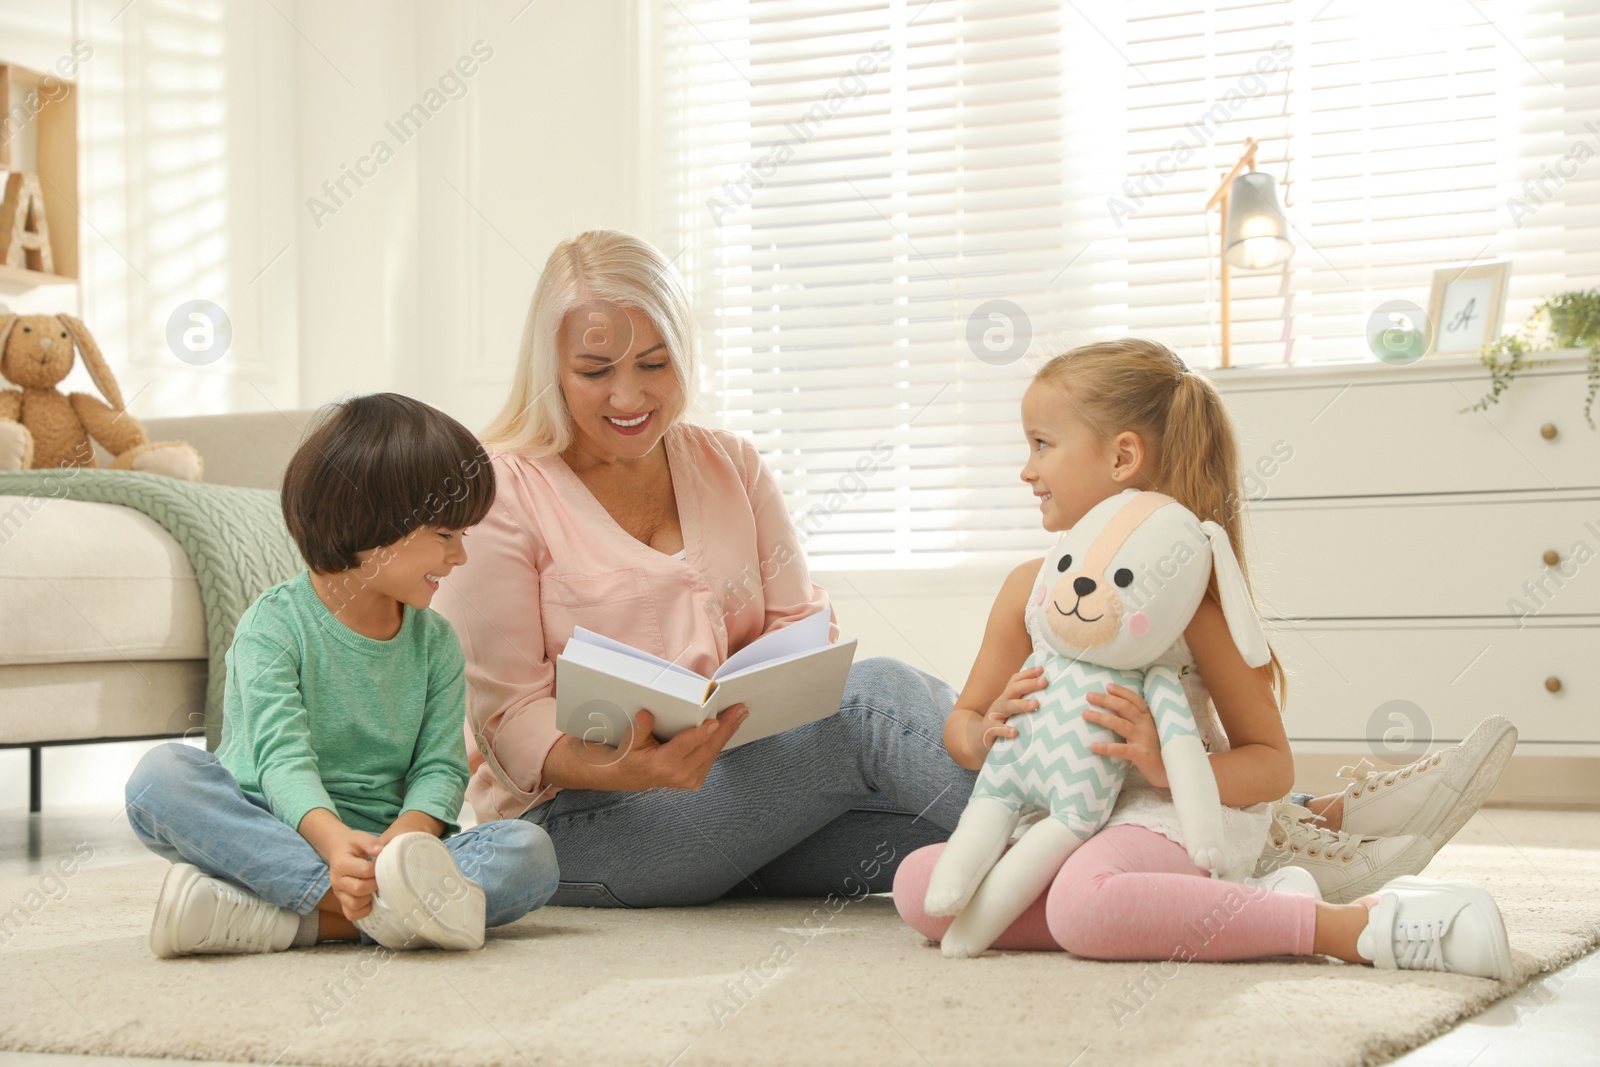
(786, 678)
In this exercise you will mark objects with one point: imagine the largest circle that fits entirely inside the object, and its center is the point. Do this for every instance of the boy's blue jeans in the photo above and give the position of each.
(829, 807)
(187, 808)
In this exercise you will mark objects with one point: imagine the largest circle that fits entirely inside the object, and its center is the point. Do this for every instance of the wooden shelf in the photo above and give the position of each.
(30, 278)
(51, 104)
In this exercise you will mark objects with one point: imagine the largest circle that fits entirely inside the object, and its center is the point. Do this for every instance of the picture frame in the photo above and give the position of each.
(1466, 307)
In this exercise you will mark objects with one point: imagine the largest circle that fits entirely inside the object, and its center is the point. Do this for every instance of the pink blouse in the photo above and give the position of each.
(549, 557)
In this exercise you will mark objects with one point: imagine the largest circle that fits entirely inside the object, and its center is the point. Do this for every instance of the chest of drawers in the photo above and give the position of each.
(1421, 567)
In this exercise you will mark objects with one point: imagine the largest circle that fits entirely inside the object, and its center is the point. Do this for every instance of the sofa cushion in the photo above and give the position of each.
(244, 448)
(86, 582)
(89, 701)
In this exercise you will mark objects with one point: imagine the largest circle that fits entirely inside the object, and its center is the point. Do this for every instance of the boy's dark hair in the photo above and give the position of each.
(372, 469)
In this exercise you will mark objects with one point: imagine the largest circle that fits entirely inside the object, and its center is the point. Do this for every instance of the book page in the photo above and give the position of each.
(801, 690)
(589, 637)
(649, 673)
(807, 635)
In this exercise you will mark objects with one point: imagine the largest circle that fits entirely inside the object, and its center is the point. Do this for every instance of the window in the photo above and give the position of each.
(878, 205)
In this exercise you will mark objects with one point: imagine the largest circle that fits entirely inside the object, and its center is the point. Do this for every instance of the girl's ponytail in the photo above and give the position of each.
(1197, 455)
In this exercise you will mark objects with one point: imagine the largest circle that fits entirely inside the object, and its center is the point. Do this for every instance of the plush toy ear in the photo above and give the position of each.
(1237, 607)
(99, 371)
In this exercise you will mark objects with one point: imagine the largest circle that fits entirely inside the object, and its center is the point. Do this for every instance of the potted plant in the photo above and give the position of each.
(1566, 320)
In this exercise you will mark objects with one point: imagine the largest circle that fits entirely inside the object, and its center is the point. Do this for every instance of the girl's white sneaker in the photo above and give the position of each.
(1420, 924)
(423, 899)
(1346, 866)
(198, 914)
(1434, 796)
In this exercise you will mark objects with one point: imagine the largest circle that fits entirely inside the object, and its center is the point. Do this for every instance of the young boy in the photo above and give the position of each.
(342, 762)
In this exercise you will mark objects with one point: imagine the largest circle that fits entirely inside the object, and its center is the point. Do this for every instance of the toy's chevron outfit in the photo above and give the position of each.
(1110, 606)
(1048, 765)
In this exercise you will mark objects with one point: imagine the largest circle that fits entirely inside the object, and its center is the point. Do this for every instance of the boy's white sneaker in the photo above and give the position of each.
(1433, 797)
(1346, 866)
(1420, 924)
(423, 899)
(1287, 879)
(197, 913)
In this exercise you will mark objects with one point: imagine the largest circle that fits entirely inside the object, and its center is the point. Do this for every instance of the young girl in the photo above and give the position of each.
(1100, 419)
(343, 759)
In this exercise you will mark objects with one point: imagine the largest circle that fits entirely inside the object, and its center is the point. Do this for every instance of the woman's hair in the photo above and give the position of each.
(372, 469)
(1191, 453)
(595, 265)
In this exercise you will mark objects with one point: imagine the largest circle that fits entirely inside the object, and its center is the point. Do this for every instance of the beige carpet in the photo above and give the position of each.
(581, 987)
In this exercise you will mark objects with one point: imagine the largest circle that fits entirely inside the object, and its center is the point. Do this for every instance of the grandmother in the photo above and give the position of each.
(616, 514)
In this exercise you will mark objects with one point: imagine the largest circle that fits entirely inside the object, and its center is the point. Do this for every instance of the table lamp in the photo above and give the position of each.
(1255, 234)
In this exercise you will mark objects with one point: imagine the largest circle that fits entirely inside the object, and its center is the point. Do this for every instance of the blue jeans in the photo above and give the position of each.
(187, 808)
(830, 807)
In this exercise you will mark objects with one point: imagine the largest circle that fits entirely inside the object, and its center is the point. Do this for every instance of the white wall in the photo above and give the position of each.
(186, 145)
(419, 281)
(205, 128)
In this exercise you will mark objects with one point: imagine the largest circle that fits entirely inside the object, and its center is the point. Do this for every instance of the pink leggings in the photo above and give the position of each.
(1129, 893)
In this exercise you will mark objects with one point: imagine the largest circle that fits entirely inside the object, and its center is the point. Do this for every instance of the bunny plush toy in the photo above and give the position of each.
(42, 427)
(1112, 598)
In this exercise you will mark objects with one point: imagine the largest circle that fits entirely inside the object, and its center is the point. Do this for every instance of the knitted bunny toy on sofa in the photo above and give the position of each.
(1112, 598)
(40, 427)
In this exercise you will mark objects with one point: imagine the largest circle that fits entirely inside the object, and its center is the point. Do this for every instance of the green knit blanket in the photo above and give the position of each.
(235, 540)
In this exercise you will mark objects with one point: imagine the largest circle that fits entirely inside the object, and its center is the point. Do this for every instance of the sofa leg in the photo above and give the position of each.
(35, 773)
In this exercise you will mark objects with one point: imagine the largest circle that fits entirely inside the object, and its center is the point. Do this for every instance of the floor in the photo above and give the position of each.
(1551, 1020)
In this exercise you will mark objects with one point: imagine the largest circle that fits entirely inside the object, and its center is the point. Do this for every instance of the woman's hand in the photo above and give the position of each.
(682, 762)
(1127, 715)
(1015, 699)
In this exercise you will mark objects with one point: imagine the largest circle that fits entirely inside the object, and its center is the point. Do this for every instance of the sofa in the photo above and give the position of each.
(102, 631)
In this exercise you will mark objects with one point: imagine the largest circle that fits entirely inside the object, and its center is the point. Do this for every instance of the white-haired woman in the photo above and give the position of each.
(616, 514)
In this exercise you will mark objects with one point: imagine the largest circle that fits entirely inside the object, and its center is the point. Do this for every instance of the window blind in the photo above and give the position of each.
(876, 205)
(1402, 136)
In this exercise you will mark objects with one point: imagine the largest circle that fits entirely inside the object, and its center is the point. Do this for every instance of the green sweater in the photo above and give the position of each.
(317, 716)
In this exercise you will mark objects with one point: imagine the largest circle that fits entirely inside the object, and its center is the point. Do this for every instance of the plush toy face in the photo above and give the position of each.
(1123, 583)
(38, 352)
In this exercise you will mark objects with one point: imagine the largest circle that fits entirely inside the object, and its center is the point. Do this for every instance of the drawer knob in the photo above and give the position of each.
(1553, 684)
(1548, 431)
(1551, 557)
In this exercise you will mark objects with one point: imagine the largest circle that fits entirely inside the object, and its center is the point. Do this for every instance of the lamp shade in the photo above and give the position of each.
(1258, 233)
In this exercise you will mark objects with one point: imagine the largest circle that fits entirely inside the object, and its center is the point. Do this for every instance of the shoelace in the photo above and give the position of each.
(1292, 830)
(242, 921)
(1367, 777)
(1419, 946)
